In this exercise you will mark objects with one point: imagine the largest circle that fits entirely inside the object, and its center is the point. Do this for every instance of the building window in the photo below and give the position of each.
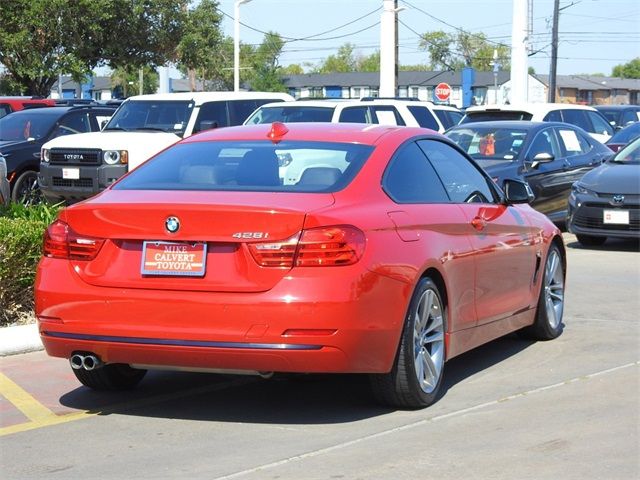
(355, 92)
(414, 92)
(403, 92)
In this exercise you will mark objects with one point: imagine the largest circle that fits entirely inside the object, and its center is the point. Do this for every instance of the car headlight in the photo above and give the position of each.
(579, 188)
(113, 157)
(45, 155)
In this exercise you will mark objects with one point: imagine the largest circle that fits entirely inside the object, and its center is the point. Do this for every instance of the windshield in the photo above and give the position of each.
(153, 115)
(495, 143)
(255, 166)
(22, 126)
(488, 116)
(629, 154)
(291, 114)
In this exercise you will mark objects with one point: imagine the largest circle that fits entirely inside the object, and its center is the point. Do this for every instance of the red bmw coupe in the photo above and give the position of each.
(299, 248)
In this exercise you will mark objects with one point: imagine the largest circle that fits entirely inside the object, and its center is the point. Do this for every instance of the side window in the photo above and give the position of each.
(577, 118)
(424, 118)
(410, 178)
(354, 115)
(101, 120)
(386, 115)
(214, 113)
(553, 116)
(629, 116)
(600, 125)
(462, 180)
(73, 123)
(544, 142)
(572, 142)
(239, 110)
(4, 109)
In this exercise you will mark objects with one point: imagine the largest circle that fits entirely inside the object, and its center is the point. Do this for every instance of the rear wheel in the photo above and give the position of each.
(416, 376)
(548, 323)
(26, 189)
(590, 241)
(114, 376)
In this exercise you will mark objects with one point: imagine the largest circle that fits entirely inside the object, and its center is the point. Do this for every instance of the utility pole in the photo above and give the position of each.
(397, 47)
(140, 81)
(519, 52)
(554, 52)
(389, 48)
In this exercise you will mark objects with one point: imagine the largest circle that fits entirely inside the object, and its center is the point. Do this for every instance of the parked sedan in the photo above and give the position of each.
(549, 156)
(392, 253)
(606, 201)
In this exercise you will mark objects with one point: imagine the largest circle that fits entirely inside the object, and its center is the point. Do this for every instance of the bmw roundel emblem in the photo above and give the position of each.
(172, 224)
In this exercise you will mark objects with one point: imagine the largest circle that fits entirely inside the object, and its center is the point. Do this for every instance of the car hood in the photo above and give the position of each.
(613, 177)
(140, 145)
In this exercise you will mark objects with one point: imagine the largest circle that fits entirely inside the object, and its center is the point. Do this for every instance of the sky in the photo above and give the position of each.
(595, 35)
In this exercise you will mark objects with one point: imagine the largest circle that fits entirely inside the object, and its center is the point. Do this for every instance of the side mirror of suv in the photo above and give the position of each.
(517, 191)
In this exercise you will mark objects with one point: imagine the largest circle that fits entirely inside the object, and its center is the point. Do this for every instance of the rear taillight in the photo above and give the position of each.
(60, 241)
(316, 247)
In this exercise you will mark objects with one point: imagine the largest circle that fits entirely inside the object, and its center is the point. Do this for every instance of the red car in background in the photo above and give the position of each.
(13, 104)
(299, 248)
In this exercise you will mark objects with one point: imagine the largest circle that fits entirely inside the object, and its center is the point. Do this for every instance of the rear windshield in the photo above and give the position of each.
(152, 115)
(495, 115)
(291, 115)
(250, 166)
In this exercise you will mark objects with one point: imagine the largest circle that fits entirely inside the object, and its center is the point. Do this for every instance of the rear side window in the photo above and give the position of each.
(250, 166)
(424, 118)
(355, 115)
(448, 118)
(462, 180)
(600, 124)
(386, 115)
(410, 178)
(553, 116)
(4, 109)
(572, 142)
(488, 116)
(578, 118)
(239, 110)
(291, 115)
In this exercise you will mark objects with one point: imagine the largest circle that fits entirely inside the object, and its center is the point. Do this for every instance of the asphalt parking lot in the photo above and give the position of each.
(511, 409)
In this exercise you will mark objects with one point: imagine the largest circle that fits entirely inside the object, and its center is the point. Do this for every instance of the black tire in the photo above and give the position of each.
(548, 323)
(590, 241)
(405, 386)
(114, 376)
(25, 188)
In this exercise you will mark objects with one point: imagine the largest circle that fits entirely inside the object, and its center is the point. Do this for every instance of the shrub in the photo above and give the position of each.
(21, 230)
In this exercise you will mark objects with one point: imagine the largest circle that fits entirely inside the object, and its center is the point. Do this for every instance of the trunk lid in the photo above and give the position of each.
(225, 221)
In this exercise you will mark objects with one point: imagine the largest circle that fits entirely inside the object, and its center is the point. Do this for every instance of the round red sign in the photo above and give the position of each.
(442, 92)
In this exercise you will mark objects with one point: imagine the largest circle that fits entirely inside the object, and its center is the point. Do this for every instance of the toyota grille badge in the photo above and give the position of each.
(172, 224)
(618, 199)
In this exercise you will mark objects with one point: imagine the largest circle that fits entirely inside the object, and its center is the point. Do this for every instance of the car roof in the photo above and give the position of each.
(367, 134)
(515, 124)
(202, 97)
(617, 107)
(305, 103)
(58, 111)
(534, 108)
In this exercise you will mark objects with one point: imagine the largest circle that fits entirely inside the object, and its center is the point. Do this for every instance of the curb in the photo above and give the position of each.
(19, 339)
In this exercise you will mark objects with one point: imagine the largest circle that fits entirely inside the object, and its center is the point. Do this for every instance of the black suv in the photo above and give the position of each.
(23, 133)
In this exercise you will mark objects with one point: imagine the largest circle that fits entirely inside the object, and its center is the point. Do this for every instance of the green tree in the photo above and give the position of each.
(627, 70)
(40, 39)
(201, 39)
(128, 80)
(265, 74)
(369, 63)
(293, 69)
(454, 51)
(343, 61)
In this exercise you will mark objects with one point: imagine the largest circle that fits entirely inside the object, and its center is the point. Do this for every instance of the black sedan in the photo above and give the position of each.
(606, 201)
(550, 156)
(23, 133)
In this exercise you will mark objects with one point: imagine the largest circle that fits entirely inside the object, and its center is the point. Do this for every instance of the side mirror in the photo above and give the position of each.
(517, 191)
(541, 158)
(208, 125)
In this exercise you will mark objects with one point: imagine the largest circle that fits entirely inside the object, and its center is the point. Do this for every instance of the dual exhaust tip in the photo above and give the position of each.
(87, 362)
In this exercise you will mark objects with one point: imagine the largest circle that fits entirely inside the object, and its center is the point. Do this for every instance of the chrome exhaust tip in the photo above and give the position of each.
(91, 362)
(76, 361)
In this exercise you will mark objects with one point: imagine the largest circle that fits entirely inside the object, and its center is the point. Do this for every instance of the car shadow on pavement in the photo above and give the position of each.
(611, 245)
(284, 399)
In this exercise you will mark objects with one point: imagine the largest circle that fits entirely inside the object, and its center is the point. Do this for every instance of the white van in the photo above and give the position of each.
(75, 167)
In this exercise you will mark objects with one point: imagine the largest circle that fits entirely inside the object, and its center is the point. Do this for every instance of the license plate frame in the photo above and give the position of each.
(173, 259)
(615, 217)
(71, 173)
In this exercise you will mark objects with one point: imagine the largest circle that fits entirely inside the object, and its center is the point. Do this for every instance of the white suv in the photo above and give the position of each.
(411, 113)
(587, 118)
(74, 167)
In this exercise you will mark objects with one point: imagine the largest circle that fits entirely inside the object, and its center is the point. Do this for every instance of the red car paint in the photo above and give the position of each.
(243, 316)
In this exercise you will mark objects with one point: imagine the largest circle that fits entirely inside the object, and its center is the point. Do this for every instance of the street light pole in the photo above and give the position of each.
(236, 44)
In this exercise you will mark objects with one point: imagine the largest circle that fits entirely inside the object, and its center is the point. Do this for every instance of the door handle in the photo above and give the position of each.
(478, 223)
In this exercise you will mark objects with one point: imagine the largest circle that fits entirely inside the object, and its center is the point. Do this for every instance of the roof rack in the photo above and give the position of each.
(369, 99)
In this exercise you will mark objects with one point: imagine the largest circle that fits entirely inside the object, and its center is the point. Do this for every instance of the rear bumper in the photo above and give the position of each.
(348, 321)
